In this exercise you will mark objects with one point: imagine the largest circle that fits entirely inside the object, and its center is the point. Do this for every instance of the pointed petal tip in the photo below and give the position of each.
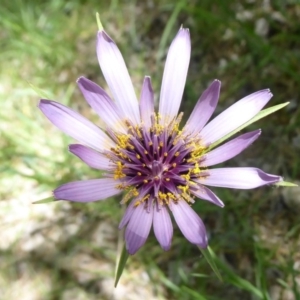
(79, 79)
(43, 101)
(103, 35)
(217, 82)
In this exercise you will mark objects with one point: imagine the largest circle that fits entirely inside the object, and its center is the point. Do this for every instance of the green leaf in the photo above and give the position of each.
(231, 277)
(286, 183)
(45, 200)
(41, 93)
(168, 29)
(193, 293)
(99, 24)
(259, 116)
(211, 257)
(121, 264)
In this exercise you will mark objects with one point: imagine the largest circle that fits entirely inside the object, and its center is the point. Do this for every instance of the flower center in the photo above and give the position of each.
(160, 162)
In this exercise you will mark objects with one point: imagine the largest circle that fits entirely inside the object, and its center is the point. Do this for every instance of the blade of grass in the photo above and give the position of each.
(259, 116)
(210, 257)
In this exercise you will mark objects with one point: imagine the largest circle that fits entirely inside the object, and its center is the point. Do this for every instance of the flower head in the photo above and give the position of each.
(161, 166)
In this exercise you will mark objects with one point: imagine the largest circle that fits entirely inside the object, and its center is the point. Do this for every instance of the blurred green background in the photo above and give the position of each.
(66, 250)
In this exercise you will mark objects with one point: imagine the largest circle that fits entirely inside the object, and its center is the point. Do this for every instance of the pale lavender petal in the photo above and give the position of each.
(162, 226)
(204, 108)
(230, 149)
(128, 213)
(91, 157)
(147, 102)
(174, 77)
(87, 190)
(116, 75)
(75, 125)
(102, 104)
(138, 228)
(189, 223)
(206, 194)
(235, 116)
(238, 178)
(129, 210)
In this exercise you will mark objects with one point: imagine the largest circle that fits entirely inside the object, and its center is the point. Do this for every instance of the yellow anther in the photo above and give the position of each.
(196, 169)
(174, 165)
(139, 173)
(165, 154)
(162, 195)
(177, 154)
(150, 143)
(118, 173)
(184, 188)
(167, 179)
(131, 193)
(138, 132)
(146, 152)
(135, 192)
(161, 144)
(145, 181)
(172, 196)
(138, 156)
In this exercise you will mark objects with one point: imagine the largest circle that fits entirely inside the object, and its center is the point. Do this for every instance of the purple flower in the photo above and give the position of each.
(161, 167)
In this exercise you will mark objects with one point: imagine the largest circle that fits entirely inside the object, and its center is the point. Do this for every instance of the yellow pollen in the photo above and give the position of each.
(118, 173)
(132, 193)
(161, 144)
(135, 192)
(138, 156)
(167, 179)
(177, 154)
(184, 188)
(196, 169)
(139, 173)
(123, 140)
(141, 200)
(150, 143)
(172, 196)
(174, 165)
(145, 181)
(165, 154)
(187, 176)
(146, 152)
(138, 132)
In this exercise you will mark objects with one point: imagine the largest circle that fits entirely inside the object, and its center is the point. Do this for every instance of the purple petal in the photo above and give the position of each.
(162, 226)
(87, 190)
(128, 213)
(147, 102)
(91, 157)
(138, 228)
(235, 116)
(238, 178)
(204, 108)
(189, 223)
(116, 75)
(102, 104)
(206, 194)
(230, 149)
(75, 125)
(174, 77)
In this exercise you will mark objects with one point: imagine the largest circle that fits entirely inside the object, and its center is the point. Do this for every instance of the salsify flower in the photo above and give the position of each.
(161, 166)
